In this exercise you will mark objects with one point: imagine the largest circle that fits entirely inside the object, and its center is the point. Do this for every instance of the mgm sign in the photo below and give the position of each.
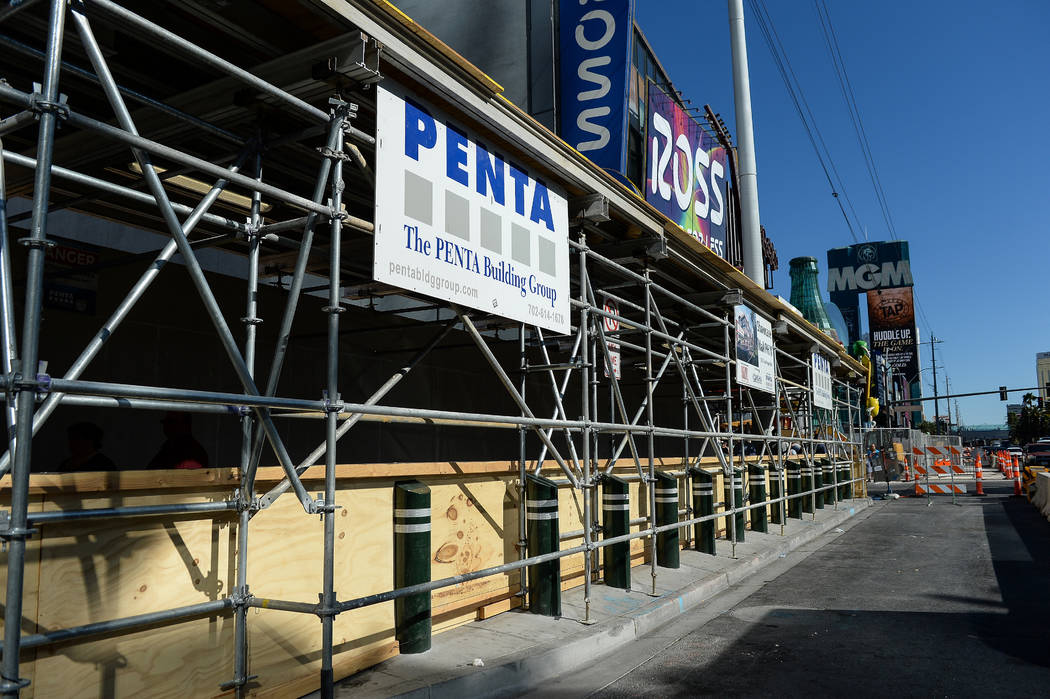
(862, 268)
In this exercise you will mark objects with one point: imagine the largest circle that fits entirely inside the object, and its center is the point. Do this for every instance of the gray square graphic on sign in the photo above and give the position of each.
(545, 257)
(520, 244)
(491, 231)
(457, 216)
(419, 198)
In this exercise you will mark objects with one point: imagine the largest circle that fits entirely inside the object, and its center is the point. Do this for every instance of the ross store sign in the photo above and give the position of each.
(686, 176)
(595, 61)
(457, 221)
(754, 350)
(820, 380)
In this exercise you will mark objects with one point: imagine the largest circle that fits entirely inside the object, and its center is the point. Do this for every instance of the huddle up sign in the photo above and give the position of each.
(457, 221)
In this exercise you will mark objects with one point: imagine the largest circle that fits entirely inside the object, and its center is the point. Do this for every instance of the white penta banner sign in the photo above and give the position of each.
(820, 370)
(458, 221)
(754, 350)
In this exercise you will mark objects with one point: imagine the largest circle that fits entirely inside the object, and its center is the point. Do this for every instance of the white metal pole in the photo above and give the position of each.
(751, 231)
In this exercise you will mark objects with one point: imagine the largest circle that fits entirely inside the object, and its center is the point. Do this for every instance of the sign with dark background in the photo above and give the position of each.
(891, 321)
(861, 268)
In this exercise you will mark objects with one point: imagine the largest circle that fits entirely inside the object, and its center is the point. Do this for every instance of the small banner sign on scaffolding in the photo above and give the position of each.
(754, 350)
(611, 325)
(820, 369)
(458, 221)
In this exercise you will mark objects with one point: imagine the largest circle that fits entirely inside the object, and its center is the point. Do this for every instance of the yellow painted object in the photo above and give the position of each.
(1028, 476)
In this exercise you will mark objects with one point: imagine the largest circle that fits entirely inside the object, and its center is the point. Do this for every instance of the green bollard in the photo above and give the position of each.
(667, 546)
(704, 497)
(832, 496)
(776, 490)
(734, 493)
(807, 487)
(541, 500)
(818, 482)
(756, 491)
(616, 518)
(794, 487)
(412, 565)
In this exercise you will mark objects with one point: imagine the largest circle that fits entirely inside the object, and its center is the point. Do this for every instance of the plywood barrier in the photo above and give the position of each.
(96, 570)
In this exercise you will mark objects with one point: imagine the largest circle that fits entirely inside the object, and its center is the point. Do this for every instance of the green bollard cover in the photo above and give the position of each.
(831, 478)
(735, 494)
(704, 497)
(818, 482)
(756, 490)
(412, 565)
(794, 487)
(807, 487)
(776, 510)
(667, 546)
(541, 513)
(616, 518)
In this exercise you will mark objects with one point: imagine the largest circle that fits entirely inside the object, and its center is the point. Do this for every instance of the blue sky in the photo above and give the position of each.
(955, 98)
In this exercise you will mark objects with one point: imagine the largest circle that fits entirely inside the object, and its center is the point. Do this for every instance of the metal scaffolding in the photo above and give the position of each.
(649, 365)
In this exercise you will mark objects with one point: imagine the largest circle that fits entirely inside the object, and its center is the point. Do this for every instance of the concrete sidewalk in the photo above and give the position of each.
(519, 650)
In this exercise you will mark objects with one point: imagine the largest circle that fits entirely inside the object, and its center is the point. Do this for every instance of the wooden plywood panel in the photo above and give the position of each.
(190, 658)
(285, 562)
(111, 569)
(475, 526)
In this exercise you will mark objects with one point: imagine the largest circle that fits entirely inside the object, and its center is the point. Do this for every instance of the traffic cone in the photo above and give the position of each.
(1017, 478)
(917, 489)
(980, 475)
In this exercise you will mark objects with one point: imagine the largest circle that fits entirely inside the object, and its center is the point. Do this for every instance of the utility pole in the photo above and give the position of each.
(751, 231)
(933, 342)
(948, 388)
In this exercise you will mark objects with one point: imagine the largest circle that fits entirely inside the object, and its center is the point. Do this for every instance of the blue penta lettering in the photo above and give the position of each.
(490, 173)
(457, 255)
(541, 206)
(542, 290)
(521, 181)
(456, 155)
(420, 130)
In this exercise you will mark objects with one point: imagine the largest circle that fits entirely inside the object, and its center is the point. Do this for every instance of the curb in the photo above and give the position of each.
(519, 675)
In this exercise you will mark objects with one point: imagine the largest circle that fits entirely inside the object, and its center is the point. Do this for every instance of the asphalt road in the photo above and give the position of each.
(908, 600)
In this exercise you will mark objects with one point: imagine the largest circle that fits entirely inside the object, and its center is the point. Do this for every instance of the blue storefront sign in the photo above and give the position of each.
(595, 61)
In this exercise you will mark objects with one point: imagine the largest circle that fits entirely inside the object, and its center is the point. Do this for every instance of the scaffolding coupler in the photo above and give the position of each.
(39, 105)
(15, 382)
(7, 532)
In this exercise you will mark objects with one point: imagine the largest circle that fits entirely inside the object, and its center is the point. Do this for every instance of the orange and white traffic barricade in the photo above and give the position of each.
(940, 488)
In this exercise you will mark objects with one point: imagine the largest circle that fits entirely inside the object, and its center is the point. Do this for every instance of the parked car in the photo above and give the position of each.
(1038, 454)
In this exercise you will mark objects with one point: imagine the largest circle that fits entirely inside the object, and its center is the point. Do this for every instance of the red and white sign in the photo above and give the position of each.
(611, 325)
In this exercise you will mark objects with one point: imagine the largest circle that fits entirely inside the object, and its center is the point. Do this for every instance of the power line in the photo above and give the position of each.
(765, 23)
(854, 111)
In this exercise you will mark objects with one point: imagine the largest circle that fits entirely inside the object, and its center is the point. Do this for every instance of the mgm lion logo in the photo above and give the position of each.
(867, 254)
